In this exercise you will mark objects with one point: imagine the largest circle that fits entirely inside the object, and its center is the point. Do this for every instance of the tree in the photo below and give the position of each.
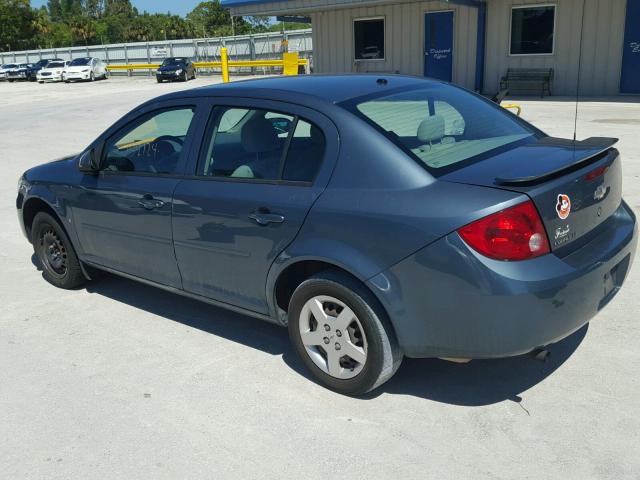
(63, 23)
(16, 25)
(118, 7)
(210, 19)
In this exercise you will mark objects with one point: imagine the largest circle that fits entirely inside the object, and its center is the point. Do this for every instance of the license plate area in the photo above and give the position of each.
(613, 279)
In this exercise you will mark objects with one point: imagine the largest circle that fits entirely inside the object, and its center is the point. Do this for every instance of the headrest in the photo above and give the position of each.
(258, 135)
(431, 128)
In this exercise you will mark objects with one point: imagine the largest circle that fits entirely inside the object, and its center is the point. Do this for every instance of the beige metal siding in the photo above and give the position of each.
(333, 50)
(602, 46)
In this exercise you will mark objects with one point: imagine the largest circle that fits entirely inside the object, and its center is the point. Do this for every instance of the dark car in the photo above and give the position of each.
(176, 68)
(32, 72)
(19, 72)
(376, 217)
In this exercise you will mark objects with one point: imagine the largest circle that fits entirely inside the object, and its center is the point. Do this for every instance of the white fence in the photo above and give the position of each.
(242, 47)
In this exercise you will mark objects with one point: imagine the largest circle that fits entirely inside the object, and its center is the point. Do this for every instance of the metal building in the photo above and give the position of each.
(474, 42)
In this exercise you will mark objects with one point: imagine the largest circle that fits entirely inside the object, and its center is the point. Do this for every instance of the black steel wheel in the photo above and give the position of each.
(60, 264)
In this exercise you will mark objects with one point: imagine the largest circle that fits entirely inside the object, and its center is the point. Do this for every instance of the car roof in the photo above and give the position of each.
(331, 88)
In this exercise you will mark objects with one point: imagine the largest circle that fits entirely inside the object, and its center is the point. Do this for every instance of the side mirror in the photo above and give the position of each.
(280, 124)
(88, 162)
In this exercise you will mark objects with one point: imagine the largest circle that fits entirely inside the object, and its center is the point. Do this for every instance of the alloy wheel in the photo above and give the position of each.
(333, 337)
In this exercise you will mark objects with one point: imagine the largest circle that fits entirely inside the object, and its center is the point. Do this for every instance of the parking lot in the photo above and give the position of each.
(120, 380)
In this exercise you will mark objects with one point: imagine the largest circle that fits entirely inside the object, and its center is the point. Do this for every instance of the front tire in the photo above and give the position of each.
(92, 77)
(342, 334)
(60, 264)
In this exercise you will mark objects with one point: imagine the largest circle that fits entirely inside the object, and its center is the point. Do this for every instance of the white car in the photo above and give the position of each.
(53, 72)
(85, 68)
(4, 70)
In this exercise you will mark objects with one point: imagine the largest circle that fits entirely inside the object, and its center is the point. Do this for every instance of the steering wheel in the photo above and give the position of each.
(170, 139)
(166, 163)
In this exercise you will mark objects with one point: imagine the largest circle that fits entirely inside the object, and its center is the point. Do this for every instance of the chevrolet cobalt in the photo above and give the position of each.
(376, 217)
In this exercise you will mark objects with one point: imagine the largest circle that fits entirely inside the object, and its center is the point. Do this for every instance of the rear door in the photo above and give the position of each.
(260, 169)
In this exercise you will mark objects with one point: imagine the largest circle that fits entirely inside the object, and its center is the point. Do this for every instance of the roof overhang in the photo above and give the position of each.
(289, 7)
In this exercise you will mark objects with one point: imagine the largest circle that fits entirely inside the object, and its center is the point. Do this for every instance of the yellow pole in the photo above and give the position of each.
(225, 65)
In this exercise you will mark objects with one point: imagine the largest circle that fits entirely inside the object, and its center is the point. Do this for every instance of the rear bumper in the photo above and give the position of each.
(449, 301)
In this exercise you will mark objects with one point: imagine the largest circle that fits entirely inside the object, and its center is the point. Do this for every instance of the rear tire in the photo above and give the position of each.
(352, 347)
(60, 264)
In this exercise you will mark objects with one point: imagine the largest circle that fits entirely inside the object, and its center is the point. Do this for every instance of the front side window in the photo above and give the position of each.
(368, 39)
(443, 127)
(255, 144)
(532, 30)
(152, 145)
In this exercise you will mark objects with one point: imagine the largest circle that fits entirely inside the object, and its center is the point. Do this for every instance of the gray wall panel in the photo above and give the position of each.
(404, 39)
(602, 46)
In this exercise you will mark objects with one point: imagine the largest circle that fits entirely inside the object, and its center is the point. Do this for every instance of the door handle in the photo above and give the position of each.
(150, 203)
(265, 217)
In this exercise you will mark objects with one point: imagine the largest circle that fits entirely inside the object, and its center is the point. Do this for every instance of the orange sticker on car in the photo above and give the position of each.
(563, 207)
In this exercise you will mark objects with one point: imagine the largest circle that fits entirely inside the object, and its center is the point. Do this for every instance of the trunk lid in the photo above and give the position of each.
(575, 186)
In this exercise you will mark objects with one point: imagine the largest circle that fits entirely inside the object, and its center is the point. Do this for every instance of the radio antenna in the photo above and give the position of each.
(575, 119)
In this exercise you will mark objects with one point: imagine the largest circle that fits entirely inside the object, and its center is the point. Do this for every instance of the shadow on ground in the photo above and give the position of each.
(481, 382)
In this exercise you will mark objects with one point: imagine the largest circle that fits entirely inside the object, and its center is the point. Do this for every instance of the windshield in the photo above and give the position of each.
(10, 65)
(173, 61)
(79, 62)
(55, 64)
(441, 126)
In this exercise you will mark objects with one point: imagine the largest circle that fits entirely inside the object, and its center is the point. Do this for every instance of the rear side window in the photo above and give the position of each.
(305, 153)
(255, 144)
(442, 127)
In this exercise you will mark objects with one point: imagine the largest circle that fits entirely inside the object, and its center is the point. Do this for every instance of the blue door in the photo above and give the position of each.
(438, 45)
(630, 78)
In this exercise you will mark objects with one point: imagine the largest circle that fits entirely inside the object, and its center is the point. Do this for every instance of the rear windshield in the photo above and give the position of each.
(443, 127)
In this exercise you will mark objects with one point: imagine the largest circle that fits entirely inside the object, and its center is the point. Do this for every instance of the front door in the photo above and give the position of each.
(254, 185)
(123, 213)
(438, 45)
(630, 78)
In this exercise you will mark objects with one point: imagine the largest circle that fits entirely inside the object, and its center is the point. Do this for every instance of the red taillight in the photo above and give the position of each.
(516, 233)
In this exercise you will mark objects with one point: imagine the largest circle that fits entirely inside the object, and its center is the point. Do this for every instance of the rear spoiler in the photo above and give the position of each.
(597, 147)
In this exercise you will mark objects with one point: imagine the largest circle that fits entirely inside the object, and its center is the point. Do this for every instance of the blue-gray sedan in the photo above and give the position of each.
(377, 217)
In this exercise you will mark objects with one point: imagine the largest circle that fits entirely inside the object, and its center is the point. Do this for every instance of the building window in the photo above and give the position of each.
(368, 38)
(532, 30)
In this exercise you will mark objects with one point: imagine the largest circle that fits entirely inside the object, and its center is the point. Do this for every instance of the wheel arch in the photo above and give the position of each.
(289, 275)
(34, 205)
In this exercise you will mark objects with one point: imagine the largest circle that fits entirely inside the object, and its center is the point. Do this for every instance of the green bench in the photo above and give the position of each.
(521, 80)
